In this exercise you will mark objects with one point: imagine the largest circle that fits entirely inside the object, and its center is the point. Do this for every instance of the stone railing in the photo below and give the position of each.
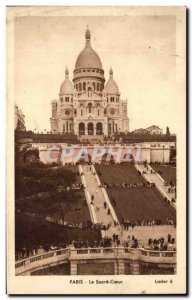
(25, 266)
(28, 265)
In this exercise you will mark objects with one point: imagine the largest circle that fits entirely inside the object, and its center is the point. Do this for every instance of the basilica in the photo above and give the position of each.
(88, 105)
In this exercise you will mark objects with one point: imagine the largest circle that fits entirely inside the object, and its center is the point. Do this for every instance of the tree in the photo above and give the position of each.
(64, 202)
(167, 131)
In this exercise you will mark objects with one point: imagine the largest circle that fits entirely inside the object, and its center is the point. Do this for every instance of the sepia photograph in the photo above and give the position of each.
(96, 113)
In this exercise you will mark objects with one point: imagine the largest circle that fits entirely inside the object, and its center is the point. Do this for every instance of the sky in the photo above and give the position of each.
(140, 49)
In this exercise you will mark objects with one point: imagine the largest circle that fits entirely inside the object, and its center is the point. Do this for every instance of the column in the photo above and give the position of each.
(94, 129)
(105, 128)
(121, 267)
(86, 129)
(116, 268)
(134, 267)
(73, 268)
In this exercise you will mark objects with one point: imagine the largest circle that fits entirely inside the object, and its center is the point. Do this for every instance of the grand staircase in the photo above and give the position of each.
(96, 206)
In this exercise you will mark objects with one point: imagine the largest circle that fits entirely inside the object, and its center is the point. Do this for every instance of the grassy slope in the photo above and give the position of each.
(140, 203)
(119, 173)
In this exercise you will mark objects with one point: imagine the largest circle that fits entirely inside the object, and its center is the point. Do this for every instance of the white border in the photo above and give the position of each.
(3, 93)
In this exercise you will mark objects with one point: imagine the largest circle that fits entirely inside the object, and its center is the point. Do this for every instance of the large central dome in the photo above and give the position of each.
(88, 58)
(88, 72)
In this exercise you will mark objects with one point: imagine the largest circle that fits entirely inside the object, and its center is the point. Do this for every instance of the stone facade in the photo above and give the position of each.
(88, 106)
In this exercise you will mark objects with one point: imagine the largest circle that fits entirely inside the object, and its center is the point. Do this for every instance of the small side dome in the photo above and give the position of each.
(67, 85)
(111, 87)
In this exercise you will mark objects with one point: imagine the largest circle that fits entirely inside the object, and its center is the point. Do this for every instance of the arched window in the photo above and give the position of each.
(81, 111)
(98, 112)
(94, 86)
(77, 87)
(81, 128)
(90, 128)
(80, 87)
(98, 86)
(89, 107)
(84, 86)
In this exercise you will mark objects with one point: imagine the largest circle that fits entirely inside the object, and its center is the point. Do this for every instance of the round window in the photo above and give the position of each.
(67, 112)
(112, 111)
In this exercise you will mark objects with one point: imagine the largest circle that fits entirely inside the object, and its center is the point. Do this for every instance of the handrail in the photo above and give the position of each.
(42, 256)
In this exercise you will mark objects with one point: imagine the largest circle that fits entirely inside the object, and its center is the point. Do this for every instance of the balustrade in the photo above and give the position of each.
(72, 253)
(156, 254)
(129, 250)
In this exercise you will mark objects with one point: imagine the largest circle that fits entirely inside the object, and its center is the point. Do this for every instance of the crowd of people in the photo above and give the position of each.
(132, 242)
(126, 224)
(75, 186)
(161, 244)
(83, 225)
(27, 252)
(105, 242)
(128, 185)
(157, 244)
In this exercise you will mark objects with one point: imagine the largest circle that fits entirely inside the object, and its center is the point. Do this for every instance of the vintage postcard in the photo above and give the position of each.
(96, 143)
